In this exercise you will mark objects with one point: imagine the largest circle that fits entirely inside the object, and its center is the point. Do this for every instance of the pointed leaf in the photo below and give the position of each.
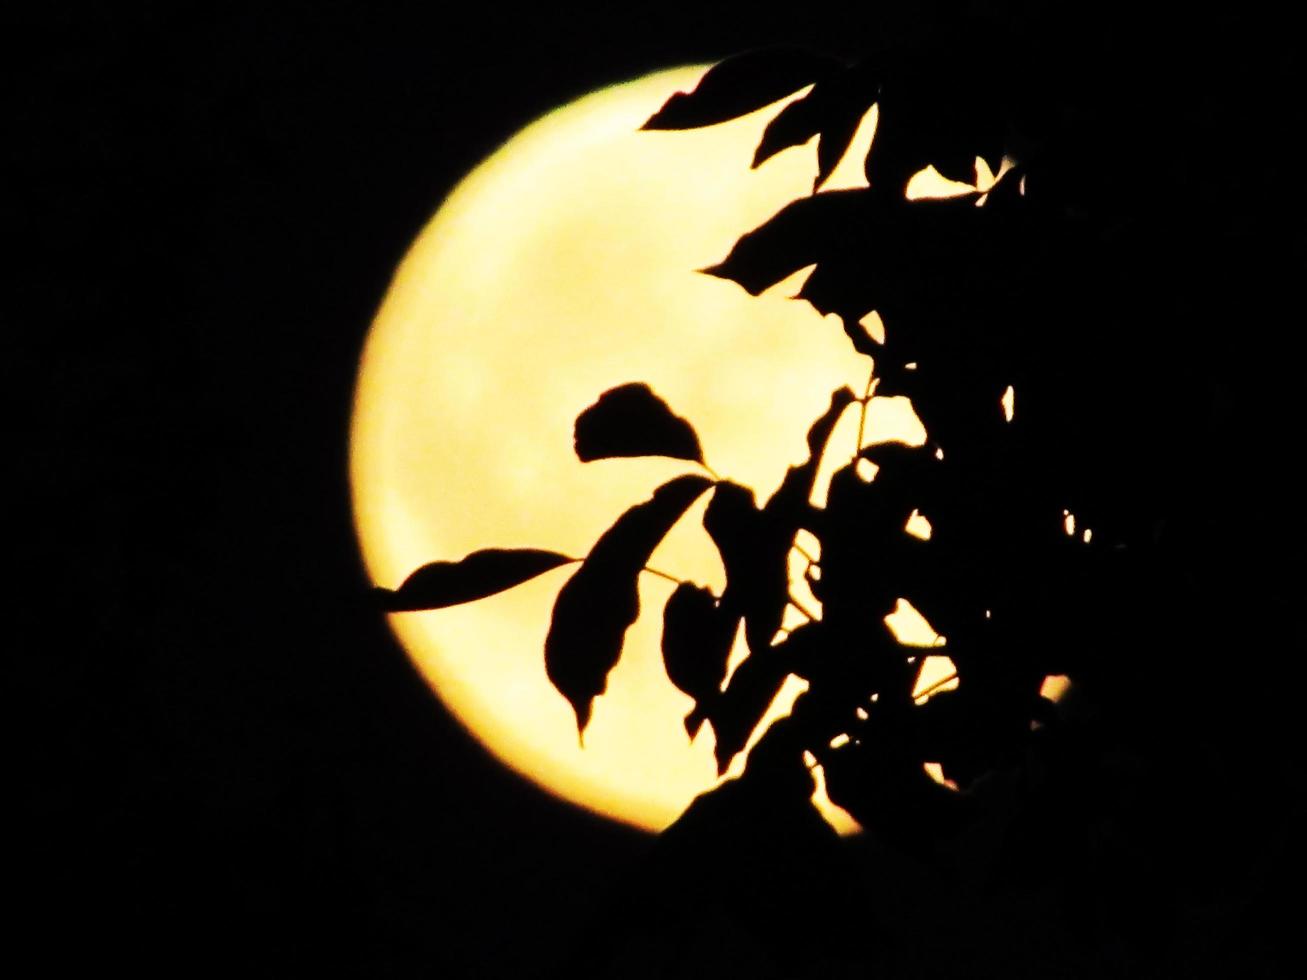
(753, 542)
(832, 110)
(480, 574)
(794, 125)
(734, 522)
(791, 497)
(697, 638)
(753, 555)
(802, 233)
(750, 692)
(601, 600)
(742, 84)
(630, 420)
(933, 115)
(891, 255)
(836, 136)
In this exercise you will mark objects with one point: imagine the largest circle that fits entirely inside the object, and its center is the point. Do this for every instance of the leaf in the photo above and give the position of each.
(791, 498)
(601, 600)
(480, 574)
(794, 125)
(886, 789)
(753, 542)
(753, 555)
(800, 234)
(836, 136)
(932, 112)
(751, 690)
(697, 638)
(898, 256)
(630, 420)
(741, 84)
(875, 251)
(832, 110)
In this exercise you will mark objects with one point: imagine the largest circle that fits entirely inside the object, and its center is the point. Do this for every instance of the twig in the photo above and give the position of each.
(935, 687)
(661, 574)
(862, 415)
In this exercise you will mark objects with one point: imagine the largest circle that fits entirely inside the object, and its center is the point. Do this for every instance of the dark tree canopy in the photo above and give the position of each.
(1121, 278)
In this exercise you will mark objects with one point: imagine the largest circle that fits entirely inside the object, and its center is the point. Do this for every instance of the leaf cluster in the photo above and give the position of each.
(1011, 290)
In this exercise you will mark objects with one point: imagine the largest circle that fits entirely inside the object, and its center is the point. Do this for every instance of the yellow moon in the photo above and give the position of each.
(561, 267)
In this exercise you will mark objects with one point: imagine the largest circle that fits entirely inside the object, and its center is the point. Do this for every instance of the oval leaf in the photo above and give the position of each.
(601, 600)
(742, 84)
(753, 555)
(697, 637)
(630, 420)
(480, 574)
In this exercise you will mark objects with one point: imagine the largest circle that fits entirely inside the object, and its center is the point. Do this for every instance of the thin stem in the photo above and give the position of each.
(709, 470)
(812, 560)
(862, 415)
(935, 687)
(807, 612)
(661, 574)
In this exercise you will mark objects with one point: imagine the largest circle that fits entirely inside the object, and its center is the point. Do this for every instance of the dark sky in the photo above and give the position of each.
(227, 760)
(231, 762)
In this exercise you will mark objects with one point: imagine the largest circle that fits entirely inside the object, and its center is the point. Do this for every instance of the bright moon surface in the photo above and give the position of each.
(561, 267)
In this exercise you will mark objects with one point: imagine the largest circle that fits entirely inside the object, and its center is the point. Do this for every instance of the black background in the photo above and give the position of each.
(232, 764)
(227, 761)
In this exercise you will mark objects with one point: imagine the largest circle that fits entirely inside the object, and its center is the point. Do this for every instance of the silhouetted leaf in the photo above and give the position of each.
(938, 259)
(800, 234)
(791, 498)
(794, 125)
(697, 637)
(753, 542)
(630, 420)
(735, 525)
(933, 112)
(887, 790)
(755, 684)
(751, 690)
(480, 574)
(601, 600)
(741, 84)
(832, 110)
(753, 550)
(777, 758)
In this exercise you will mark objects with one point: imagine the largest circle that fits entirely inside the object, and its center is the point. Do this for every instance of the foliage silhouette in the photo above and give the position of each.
(941, 274)
(633, 421)
(480, 574)
(599, 602)
(1062, 519)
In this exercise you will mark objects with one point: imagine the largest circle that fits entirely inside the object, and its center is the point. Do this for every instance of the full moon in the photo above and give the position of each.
(562, 267)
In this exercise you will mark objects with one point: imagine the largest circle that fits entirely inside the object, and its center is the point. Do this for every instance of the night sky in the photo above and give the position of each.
(233, 763)
(227, 762)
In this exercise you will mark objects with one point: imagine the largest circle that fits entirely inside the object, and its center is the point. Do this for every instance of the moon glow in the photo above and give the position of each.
(561, 267)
